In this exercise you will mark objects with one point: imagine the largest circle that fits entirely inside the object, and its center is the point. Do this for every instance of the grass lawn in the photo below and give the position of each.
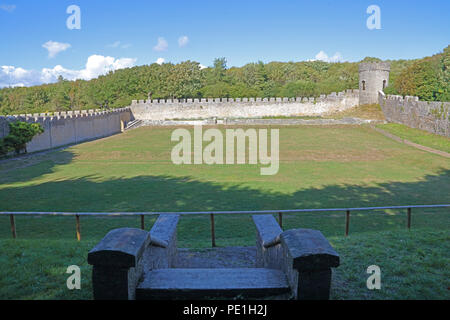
(368, 111)
(320, 167)
(418, 136)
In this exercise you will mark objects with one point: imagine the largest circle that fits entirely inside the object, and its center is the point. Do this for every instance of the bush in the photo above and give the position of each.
(4, 149)
(20, 133)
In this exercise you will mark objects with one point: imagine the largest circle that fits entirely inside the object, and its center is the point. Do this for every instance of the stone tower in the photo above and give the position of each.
(373, 77)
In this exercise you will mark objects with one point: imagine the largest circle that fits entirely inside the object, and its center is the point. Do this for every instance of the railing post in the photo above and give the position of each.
(280, 219)
(347, 223)
(213, 232)
(142, 222)
(13, 226)
(409, 218)
(77, 217)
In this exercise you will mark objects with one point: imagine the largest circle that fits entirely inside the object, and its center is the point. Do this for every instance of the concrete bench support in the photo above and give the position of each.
(117, 264)
(268, 244)
(308, 259)
(162, 251)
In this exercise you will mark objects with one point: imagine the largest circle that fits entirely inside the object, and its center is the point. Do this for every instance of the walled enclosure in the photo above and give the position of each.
(433, 116)
(373, 77)
(64, 128)
(242, 108)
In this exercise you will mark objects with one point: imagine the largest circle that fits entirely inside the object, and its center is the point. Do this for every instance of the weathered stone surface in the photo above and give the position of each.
(163, 229)
(70, 128)
(373, 77)
(120, 248)
(113, 283)
(268, 245)
(309, 249)
(268, 229)
(243, 108)
(117, 261)
(314, 285)
(162, 251)
(258, 122)
(202, 283)
(431, 116)
(307, 259)
(216, 258)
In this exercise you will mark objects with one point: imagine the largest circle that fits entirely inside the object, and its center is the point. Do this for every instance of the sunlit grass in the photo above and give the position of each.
(320, 167)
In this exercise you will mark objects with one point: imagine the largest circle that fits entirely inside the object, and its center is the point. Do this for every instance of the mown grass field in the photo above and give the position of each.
(418, 136)
(320, 167)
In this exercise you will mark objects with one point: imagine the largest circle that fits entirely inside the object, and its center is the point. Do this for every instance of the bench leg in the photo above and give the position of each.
(314, 285)
(114, 283)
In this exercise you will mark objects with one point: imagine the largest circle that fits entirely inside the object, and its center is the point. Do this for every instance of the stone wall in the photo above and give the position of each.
(242, 108)
(64, 128)
(432, 116)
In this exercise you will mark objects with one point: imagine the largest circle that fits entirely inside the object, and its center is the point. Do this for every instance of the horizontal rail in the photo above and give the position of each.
(212, 213)
(220, 212)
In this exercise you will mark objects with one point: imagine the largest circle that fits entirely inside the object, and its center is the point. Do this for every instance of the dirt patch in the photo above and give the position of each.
(369, 112)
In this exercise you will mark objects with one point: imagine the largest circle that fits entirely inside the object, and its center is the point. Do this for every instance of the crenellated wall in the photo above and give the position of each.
(64, 128)
(242, 108)
(431, 116)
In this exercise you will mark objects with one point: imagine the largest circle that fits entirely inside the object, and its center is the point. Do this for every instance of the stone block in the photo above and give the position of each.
(117, 264)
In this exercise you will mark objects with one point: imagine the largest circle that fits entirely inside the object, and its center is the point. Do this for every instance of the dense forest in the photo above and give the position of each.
(428, 78)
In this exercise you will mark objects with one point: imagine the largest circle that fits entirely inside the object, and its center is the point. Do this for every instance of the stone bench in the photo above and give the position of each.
(121, 258)
(132, 263)
(304, 255)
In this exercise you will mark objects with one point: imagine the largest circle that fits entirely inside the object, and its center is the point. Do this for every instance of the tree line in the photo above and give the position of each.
(427, 78)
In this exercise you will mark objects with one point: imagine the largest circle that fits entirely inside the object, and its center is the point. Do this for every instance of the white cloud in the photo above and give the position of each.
(160, 60)
(8, 7)
(16, 77)
(162, 45)
(322, 56)
(202, 67)
(183, 41)
(96, 65)
(114, 45)
(118, 44)
(54, 48)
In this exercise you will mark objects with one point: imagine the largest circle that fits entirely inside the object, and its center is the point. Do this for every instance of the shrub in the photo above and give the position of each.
(4, 149)
(20, 133)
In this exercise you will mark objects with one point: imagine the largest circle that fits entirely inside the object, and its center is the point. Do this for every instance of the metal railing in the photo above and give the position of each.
(213, 213)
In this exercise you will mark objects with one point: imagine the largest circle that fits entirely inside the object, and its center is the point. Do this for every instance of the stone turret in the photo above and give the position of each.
(373, 77)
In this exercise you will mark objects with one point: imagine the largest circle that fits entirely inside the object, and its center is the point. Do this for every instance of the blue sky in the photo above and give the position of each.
(242, 31)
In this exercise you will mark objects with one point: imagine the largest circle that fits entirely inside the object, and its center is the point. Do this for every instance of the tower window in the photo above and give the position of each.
(384, 84)
(364, 85)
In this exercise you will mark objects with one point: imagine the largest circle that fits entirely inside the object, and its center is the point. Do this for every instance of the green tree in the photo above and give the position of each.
(20, 133)
(219, 69)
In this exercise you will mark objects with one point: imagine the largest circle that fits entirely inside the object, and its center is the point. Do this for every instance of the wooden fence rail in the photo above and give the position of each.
(212, 214)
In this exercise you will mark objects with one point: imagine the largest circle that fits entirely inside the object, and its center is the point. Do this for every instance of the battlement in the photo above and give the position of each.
(431, 116)
(169, 109)
(401, 98)
(323, 97)
(375, 66)
(63, 115)
(71, 127)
